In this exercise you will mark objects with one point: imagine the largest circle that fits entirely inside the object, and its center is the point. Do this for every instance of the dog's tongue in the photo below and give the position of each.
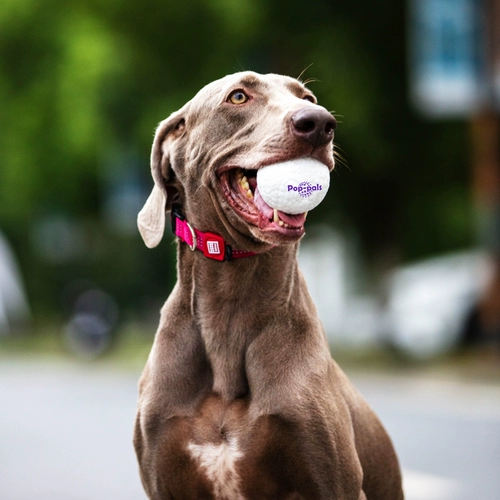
(293, 220)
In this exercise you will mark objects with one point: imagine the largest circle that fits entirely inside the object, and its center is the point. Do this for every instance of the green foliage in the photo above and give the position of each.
(79, 79)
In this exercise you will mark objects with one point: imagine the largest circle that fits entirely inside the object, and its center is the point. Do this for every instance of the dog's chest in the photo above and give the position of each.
(217, 462)
(233, 452)
(216, 445)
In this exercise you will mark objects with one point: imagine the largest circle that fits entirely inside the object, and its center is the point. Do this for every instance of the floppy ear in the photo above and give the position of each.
(151, 219)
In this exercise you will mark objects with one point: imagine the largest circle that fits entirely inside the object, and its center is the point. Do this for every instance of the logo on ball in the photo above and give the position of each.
(305, 189)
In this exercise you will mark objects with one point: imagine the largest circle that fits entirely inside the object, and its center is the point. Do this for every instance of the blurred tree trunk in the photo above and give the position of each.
(485, 131)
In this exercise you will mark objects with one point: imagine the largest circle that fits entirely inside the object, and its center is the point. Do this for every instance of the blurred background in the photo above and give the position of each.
(402, 257)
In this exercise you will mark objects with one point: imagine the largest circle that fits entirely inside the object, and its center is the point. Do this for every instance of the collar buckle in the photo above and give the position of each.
(193, 246)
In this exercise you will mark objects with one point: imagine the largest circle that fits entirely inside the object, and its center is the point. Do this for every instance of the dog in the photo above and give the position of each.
(240, 398)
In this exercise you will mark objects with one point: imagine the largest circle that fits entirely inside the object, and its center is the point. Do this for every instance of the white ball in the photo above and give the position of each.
(294, 186)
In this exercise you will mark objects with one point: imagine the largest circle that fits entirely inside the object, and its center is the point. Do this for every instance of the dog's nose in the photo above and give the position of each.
(314, 124)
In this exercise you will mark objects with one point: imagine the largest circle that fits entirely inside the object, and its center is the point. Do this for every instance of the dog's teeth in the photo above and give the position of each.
(243, 182)
(286, 225)
(276, 217)
(282, 223)
(305, 215)
(249, 194)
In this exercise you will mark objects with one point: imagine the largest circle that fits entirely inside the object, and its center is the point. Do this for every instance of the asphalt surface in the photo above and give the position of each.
(446, 433)
(65, 433)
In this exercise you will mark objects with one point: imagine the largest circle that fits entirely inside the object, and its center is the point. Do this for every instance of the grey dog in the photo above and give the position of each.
(240, 398)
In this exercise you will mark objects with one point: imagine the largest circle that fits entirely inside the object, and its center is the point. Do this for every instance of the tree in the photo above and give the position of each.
(84, 79)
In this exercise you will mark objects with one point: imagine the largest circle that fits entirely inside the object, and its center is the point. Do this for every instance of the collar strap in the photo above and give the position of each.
(212, 245)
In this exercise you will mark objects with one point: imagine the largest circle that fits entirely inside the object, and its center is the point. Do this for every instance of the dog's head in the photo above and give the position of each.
(206, 155)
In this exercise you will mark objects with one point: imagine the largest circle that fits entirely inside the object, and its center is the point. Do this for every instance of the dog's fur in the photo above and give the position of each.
(240, 398)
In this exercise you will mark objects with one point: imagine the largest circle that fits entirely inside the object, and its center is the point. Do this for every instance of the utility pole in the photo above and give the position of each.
(485, 142)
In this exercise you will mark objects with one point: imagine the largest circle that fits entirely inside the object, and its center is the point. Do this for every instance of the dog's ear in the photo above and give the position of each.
(151, 219)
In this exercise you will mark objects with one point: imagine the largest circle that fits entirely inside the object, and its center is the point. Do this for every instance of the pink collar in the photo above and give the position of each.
(212, 245)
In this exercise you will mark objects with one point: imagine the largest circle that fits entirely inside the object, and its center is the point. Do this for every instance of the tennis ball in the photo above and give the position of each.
(294, 186)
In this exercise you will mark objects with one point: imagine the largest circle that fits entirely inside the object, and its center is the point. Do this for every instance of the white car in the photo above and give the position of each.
(14, 310)
(429, 302)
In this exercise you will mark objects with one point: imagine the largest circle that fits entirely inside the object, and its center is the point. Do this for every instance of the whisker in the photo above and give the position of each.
(303, 71)
(336, 116)
(338, 149)
(343, 164)
(310, 80)
(339, 157)
(241, 65)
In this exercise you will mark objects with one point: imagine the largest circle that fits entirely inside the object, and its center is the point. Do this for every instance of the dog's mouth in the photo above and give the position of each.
(240, 188)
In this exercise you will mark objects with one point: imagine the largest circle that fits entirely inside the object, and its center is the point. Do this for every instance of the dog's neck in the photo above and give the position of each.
(232, 302)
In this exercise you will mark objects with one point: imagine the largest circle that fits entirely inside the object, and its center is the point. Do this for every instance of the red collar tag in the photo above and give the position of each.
(214, 246)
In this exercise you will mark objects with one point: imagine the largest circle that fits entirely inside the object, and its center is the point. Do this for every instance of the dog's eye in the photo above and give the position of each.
(238, 97)
(309, 98)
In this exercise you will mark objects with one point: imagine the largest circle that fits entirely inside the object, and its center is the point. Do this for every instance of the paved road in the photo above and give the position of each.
(65, 433)
(447, 434)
